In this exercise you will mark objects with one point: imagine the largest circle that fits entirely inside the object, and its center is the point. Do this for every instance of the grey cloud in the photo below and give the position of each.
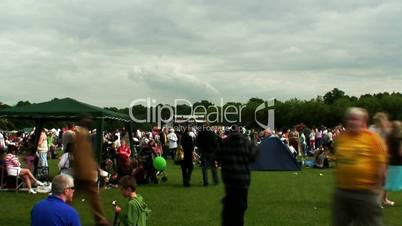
(108, 53)
(172, 81)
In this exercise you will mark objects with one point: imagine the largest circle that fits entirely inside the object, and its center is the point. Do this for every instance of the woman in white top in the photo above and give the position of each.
(42, 149)
(172, 142)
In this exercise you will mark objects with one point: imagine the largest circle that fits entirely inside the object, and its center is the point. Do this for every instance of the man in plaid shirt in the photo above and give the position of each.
(235, 155)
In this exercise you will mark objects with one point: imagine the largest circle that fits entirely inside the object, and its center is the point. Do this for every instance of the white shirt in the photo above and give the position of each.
(172, 140)
(2, 143)
(116, 144)
(292, 149)
(64, 161)
(312, 135)
(377, 130)
(64, 164)
(139, 134)
(42, 146)
(330, 136)
(67, 138)
(303, 138)
(192, 134)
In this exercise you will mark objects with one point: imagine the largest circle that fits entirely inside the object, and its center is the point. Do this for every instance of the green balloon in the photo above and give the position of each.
(159, 163)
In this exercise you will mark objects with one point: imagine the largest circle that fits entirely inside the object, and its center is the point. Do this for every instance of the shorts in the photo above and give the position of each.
(358, 207)
(14, 171)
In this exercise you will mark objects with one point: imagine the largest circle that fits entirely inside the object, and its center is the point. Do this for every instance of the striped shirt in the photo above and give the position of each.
(12, 161)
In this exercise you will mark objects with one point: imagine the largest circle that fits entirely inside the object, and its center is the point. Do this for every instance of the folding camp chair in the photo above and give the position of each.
(6, 180)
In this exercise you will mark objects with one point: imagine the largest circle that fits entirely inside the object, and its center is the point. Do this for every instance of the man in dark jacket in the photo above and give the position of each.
(187, 163)
(207, 143)
(235, 154)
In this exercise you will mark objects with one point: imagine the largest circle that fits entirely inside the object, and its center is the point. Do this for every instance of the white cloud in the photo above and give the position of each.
(109, 53)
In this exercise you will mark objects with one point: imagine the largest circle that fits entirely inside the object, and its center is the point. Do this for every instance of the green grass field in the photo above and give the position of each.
(275, 198)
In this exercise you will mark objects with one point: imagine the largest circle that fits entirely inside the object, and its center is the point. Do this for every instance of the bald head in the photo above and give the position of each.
(60, 183)
(356, 119)
(267, 132)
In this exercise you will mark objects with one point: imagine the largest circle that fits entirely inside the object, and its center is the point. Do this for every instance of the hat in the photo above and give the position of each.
(171, 130)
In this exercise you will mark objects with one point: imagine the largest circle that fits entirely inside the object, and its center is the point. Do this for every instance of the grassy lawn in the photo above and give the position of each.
(275, 198)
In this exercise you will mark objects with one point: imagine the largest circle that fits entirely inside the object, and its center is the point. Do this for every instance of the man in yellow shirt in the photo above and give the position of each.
(360, 172)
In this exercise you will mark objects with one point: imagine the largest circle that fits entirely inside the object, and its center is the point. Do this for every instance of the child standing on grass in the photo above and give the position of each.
(136, 212)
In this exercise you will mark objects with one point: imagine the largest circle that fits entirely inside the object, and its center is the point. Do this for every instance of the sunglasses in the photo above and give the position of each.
(72, 188)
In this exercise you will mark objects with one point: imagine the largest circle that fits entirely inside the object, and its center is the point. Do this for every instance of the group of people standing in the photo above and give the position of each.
(369, 166)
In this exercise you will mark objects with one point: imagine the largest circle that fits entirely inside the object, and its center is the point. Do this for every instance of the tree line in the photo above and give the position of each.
(326, 110)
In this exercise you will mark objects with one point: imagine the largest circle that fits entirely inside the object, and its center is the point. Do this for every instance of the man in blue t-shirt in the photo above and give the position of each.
(54, 211)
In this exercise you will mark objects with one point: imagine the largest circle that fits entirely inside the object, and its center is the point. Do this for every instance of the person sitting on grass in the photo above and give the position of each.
(136, 212)
(321, 158)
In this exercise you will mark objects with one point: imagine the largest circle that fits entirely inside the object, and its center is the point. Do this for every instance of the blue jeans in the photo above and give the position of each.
(206, 162)
(42, 159)
(305, 150)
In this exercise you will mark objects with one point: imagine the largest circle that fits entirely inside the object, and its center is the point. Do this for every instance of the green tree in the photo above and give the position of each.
(332, 96)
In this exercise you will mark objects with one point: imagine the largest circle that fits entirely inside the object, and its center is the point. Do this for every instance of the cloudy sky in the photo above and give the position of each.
(109, 53)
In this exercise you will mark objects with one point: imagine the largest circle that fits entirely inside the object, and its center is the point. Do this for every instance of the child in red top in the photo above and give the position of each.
(124, 151)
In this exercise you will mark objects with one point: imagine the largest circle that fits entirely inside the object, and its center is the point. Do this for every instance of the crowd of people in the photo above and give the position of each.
(128, 161)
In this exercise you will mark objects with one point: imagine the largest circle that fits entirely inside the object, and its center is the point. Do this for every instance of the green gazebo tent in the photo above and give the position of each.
(68, 109)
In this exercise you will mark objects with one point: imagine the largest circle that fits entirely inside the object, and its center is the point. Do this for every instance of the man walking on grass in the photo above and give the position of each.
(235, 155)
(360, 173)
(207, 142)
(85, 170)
